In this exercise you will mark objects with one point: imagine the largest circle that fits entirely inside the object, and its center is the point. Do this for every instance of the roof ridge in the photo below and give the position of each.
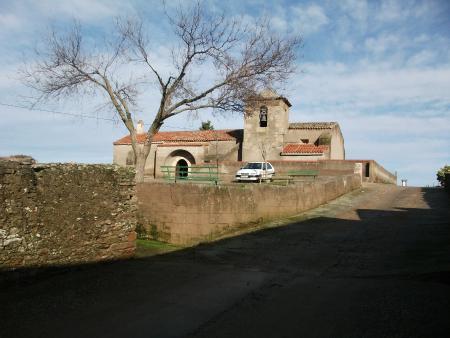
(194, 131)
(187, 136)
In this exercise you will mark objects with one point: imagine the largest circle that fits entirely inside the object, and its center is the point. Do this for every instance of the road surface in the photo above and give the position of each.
(375, 263)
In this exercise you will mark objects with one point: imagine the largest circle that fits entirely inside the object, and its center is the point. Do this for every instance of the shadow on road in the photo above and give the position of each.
(405, 249)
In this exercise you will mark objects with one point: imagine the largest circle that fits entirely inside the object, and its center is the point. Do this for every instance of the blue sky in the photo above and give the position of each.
(379, 68)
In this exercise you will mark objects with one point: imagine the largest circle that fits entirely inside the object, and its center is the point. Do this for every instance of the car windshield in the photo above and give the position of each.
(253, 166)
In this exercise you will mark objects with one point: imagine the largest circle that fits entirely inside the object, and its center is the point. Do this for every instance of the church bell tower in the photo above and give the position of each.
(266, 122)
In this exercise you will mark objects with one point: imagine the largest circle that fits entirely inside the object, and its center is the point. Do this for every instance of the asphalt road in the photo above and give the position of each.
(374, 263)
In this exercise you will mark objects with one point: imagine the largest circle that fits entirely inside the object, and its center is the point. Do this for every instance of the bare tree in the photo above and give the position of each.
(243, 58)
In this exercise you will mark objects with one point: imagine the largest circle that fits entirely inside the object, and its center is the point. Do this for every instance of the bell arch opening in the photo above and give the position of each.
(263, 116)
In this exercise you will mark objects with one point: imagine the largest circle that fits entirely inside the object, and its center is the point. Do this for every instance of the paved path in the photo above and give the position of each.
(372, 264)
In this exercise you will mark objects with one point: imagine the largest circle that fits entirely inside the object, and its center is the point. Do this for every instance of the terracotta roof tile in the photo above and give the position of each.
(188, 144)
(313, 125)
(300, 148)
(187, 136)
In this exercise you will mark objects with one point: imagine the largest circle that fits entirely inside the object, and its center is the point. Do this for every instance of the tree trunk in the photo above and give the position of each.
(140, 168)
(141, 159)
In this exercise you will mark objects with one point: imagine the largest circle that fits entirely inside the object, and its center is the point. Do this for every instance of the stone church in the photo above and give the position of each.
(267, 135)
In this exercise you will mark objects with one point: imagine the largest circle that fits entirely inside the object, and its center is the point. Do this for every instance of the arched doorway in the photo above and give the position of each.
(181, 170)
(179, 162)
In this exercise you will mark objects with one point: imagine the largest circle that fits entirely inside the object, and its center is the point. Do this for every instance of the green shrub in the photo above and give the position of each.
(441, 174)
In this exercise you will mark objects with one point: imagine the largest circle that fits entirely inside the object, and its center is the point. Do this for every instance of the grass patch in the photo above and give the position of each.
(148, 247)
(149, 243)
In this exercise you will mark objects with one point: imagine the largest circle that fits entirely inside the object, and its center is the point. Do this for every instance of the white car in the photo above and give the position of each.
(255, 171)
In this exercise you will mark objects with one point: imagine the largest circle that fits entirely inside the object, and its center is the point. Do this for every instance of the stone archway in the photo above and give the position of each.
(181, 160)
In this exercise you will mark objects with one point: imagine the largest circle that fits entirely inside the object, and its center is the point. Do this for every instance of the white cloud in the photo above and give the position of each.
(278, 18)
(309, 19)
(390, 10)
(422, 38)
(85, 10)
(8, 77)
(382, 43)
(347, 45)
(396, 10)
(403, 50)
(424, 57)
(279, 23)
(356, 9)
(374, 86)
(398, 126)
(9, 21)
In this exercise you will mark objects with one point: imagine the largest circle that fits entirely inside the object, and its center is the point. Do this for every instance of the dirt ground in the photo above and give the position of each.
(374, 263)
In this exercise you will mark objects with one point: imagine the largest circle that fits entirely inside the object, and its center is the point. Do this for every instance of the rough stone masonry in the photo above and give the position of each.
(60, 214)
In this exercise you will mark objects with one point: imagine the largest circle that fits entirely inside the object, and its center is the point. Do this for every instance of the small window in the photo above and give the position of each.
(130, 158)
(269, 166)
(263, 116)
(264, 166)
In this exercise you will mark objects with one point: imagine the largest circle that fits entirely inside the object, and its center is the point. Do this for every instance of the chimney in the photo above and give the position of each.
(140, 127)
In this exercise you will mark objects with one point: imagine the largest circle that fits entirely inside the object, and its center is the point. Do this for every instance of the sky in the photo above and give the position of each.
(381, 69)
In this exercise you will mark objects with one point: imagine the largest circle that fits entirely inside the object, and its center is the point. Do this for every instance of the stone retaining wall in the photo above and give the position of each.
(58, 214)
(370, 170)
(186, 214)
(381, 175)
(228, 170)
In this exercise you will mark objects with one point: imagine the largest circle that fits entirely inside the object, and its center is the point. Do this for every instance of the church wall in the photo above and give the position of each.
(295, 135)
(203, 154)
(337, 145)
(122, 152)
(337, 151)
(305, 158)
(171, 155)
(222, 150)
(160, 155)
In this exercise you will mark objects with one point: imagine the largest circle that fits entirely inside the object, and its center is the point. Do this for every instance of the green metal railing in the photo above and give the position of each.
(304, 172)
(194, 173)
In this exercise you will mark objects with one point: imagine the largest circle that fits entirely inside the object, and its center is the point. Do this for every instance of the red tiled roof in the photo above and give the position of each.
(185, 136)
(189, 144)
(300, 148)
